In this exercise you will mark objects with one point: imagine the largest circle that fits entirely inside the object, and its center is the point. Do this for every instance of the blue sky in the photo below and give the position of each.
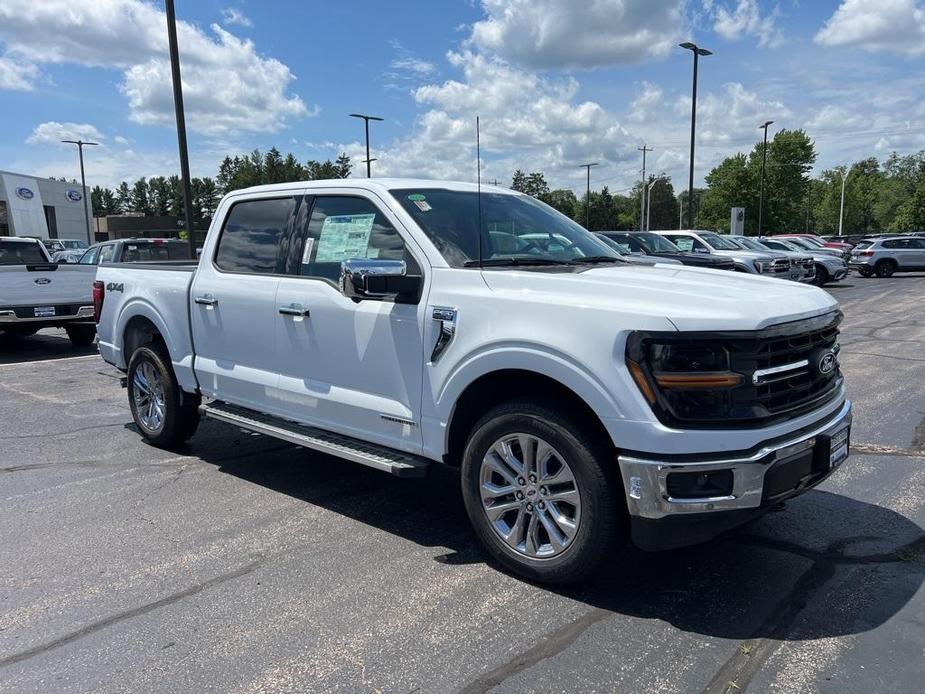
(556, 82)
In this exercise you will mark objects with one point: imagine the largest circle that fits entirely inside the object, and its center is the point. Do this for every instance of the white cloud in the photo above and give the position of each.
(552, 33)
(744, 20)
(52, 131)
(645, 104)
(896, 26)
(416, 65)
(232, 15)
(17, 75)
(228, 86)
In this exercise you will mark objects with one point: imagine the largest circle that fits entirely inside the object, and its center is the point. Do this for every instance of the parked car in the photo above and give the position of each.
(36, 293)
(632, 257)
(808, 245)
(802, 268)
(135, 251)
(56, 245)
(72, 256)
(884, 257)
(709, 242)
(659, 247)
(829, 267)
(814, 240)
(405, 323)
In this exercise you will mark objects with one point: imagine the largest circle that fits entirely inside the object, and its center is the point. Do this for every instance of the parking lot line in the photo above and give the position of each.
(33, 361)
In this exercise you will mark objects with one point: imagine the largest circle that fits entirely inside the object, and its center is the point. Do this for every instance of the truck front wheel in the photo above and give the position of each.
(164, 415)
(542, 493)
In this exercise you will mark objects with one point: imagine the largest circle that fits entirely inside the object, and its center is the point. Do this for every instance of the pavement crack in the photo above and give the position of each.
(129, 614)
(877, 449)
(552, 644)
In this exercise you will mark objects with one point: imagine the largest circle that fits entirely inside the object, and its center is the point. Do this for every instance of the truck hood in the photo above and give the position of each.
(689, 297)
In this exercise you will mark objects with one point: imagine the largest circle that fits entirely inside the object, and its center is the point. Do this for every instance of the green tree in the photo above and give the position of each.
(342, 167)
(730, 184)
(159, 196)
(124, 198)
(519, 181)
(563, 200)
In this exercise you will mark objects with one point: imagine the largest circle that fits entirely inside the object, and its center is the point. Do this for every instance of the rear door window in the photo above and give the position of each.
(252, 235)
(21, 253)
(106, 252)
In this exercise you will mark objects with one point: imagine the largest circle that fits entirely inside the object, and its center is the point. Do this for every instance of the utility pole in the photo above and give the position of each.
(841, 207)
(649, 199)
(642, 202)
(697, 51)
(764, 158)
(83, 181)
(181, 125)
(588, 197)
(366, 120)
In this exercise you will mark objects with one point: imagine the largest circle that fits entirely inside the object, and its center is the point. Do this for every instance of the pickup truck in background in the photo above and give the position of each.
(135, 251)
(36, 293)
(400, 324)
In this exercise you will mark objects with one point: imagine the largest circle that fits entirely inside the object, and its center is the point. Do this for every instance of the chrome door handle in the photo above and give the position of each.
(294, 311)
(207, 300)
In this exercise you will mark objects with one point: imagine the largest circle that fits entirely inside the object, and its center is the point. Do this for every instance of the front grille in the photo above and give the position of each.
(780, 266)
(760, 399)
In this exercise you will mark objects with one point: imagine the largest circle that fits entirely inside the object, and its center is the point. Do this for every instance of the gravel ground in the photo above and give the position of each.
(242, 564)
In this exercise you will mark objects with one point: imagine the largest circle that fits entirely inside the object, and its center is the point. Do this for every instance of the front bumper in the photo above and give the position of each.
(760, 479)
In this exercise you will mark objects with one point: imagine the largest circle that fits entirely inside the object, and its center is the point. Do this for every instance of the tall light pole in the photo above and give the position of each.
(697, 51)
(588, 195)
(841, 207)
(764, 158)
(366, 120)
(83, 180)
(181, 126)
(642, 202)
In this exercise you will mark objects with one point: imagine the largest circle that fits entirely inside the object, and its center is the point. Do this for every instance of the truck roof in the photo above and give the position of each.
(378, 185)
(21, 239)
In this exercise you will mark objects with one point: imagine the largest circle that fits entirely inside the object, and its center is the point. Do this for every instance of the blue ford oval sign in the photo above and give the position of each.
(43, 280)
(74, 195)
(24, 193)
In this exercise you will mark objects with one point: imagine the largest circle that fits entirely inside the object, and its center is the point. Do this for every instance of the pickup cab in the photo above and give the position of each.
(36, 293)
(402, 324)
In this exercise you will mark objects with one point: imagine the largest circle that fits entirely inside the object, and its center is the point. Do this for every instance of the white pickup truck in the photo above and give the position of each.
(402, 323)
(36, 293)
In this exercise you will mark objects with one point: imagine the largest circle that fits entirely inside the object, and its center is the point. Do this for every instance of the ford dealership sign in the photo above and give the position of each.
(74, 195)
(24, 193)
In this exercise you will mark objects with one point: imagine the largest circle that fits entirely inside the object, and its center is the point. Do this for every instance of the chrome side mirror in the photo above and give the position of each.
(363, 278)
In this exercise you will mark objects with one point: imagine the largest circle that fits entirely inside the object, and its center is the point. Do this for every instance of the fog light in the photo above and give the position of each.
(699, 485)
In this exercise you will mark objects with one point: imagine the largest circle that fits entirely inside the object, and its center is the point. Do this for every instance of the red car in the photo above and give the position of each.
(822, 243)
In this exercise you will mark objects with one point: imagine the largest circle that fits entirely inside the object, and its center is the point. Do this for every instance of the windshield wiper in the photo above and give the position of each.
(594, 259)
(509, 262)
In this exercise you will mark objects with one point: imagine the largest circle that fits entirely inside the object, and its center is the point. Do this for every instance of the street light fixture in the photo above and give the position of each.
(764, 158)
(697, 51)
(588, 196)
(366, 120)
(83, 180)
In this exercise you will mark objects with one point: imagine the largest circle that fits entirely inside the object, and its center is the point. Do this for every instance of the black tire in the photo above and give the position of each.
(80, 335)
(602, 524)
(180, 410)
(885, 268)
(822, 276)
(864, 273)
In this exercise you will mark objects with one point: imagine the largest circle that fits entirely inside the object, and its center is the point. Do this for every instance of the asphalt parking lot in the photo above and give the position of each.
(242, 564)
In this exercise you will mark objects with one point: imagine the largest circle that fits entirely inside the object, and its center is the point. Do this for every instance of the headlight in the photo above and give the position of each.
(759, 265)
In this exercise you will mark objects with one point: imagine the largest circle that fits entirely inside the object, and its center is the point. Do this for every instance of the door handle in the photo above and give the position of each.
(207, 300)
(294, 311)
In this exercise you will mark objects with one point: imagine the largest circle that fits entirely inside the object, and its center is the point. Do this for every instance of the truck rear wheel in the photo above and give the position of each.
(542, 493)
(80, 335)
(164, 415)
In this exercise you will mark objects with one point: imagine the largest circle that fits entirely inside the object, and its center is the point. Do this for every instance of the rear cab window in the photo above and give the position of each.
(21, 253)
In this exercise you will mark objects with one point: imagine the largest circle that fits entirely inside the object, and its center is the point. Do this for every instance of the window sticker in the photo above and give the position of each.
(344, 236)
(422, 205)
(416, 197)
(307, 253)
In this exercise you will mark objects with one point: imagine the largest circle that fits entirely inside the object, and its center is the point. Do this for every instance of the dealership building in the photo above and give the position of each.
(41, 207)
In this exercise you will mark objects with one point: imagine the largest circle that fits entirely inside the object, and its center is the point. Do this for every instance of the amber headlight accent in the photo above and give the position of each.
(723, 379)
(641, 381)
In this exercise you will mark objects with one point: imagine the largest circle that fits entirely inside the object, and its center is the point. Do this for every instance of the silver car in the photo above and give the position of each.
(885, 256)
(829, 267)
(695, 241)
(802, 268)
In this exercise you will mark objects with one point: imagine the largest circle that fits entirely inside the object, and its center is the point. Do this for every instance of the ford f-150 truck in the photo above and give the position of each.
(405, 323)
(36, 293)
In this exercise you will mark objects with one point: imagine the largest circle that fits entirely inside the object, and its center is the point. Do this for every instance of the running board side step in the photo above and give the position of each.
(379, 457)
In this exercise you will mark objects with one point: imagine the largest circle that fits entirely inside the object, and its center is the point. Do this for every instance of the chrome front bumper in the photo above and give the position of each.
(10, 317)
(645, 479)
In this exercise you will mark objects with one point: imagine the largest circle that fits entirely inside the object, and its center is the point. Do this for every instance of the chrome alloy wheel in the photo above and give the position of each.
(530, 496)
(148, 390)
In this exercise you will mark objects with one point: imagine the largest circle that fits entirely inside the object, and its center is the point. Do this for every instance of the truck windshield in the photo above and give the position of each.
(21, 253)
(719, 243)
(515, 228)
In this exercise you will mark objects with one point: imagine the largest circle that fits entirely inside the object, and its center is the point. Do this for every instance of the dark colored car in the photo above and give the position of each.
(653, 244)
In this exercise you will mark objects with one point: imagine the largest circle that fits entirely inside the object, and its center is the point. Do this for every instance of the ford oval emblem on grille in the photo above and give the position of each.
(827, 363)
(43, 280)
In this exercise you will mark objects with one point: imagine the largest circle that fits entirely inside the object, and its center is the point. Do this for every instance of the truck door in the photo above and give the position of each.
(233, 301)
(350, 366)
